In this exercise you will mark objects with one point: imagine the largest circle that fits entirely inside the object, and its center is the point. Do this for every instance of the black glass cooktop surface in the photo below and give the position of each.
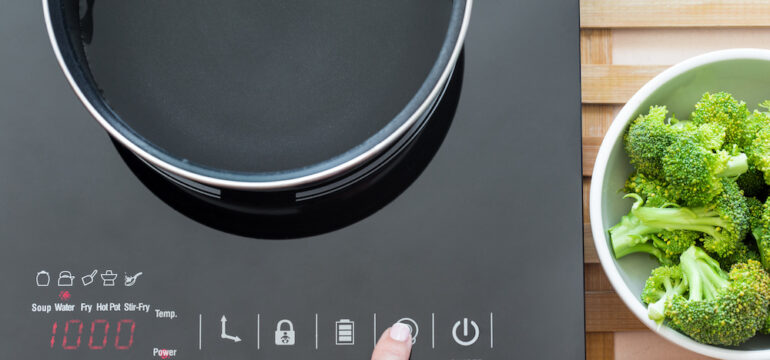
(481, 254)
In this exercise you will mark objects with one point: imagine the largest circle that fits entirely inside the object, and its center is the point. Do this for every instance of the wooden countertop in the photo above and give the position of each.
(624, 43)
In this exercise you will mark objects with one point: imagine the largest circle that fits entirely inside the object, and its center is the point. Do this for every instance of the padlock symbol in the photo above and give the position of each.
(284, 336)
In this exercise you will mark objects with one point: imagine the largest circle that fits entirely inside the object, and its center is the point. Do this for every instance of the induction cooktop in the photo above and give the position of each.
(477, 247)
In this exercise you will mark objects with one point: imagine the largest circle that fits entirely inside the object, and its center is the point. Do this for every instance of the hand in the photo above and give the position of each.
(394, 344)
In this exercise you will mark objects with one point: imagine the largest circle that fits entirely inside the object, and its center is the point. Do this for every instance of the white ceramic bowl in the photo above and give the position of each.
(743, 72)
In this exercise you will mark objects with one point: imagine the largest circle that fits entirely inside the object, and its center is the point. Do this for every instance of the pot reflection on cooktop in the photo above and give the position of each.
(287, 215)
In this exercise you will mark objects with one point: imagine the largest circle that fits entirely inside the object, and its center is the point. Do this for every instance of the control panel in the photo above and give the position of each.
(95, 314)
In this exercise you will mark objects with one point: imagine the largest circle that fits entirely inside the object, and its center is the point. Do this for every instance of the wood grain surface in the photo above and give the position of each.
(674, 13)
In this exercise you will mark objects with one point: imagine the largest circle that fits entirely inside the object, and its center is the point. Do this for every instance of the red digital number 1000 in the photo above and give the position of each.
(100, 329)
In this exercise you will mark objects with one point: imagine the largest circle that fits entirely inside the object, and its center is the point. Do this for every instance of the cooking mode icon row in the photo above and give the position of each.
(66, 279)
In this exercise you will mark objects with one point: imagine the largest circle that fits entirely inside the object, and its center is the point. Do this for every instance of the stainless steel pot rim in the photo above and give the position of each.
(361, 154)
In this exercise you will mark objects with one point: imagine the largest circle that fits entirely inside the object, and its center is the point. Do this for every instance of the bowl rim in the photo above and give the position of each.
(614, 134)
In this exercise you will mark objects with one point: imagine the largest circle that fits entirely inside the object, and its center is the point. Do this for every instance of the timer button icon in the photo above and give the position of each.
(469, 336)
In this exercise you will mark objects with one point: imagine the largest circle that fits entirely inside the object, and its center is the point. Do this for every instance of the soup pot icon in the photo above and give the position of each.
(43, 278)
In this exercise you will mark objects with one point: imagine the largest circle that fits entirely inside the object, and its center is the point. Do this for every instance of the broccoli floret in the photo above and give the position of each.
(754, 122)
(747, 130)
(631, 236)
(673, 243)
(664, 282)
(759, 150)
(732, 207)
(755, 208)
(720, 308)
(724, 110)
(742, 254)
(646, 141)
(766, 328)
(654, 192)
(711, 135)
(725, 223)
(693, 172)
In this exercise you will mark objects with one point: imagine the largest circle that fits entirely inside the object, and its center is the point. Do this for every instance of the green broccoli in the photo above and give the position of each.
(743, 253)
(700, 187)
(646, 141)
(756, 208)
(710, 135)
(674, 242)
(759, 152)
(720, 308)
(725, 223)
(631, 236)
(654, 192)
(722, 109)
(694, 172)
(664, 282)
(747, 130)
(766, 328)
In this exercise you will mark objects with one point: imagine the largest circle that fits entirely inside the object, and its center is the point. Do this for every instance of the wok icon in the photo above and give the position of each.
(131, 280)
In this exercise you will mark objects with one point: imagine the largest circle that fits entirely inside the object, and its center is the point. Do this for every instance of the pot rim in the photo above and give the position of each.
(295, 178)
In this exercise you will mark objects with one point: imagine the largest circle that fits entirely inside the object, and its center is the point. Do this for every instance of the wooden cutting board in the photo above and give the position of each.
(624, 43)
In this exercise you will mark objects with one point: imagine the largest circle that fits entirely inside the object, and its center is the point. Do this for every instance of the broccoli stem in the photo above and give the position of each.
(704, 276)
(736, 166)
(657, 311)
(703, 219)
(632, 236)
(623, 250)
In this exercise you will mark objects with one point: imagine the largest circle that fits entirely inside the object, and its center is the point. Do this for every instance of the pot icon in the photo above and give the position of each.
(43, 278)
(108, 277)
(66, 278)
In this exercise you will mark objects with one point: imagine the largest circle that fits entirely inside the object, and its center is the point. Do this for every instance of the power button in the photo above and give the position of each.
(467, 335)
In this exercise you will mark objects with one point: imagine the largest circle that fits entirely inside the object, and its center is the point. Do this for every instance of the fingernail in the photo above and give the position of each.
(400, 332)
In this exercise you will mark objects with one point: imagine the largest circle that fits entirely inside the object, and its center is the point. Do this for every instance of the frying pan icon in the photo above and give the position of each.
(88, 279)
(131, 280)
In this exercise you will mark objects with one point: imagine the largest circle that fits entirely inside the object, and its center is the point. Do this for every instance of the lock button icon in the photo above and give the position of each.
(284, 333)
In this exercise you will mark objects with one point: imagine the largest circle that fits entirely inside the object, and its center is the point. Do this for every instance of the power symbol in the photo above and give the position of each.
(465, 333)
